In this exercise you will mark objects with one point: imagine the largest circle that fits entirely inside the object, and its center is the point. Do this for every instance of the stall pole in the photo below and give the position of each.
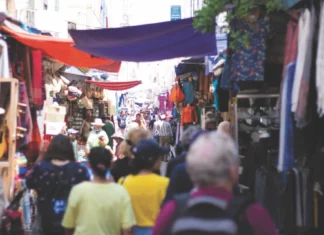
(11, 123)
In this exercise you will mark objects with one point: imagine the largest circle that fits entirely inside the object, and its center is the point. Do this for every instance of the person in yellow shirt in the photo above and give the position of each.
(146, 189)
(99, 207)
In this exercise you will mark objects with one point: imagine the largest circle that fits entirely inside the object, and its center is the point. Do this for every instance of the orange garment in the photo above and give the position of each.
(206, 84)
(176, 94)
(189, 115)
(201, 81)
(61, 50)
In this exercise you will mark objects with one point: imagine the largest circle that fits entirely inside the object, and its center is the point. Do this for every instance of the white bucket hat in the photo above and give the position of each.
(97, 122)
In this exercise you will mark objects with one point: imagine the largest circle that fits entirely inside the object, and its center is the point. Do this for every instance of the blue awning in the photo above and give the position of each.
(145, 43)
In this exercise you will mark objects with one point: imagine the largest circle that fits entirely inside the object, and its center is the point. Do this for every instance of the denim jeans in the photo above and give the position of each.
(26, 206)
(142, 230)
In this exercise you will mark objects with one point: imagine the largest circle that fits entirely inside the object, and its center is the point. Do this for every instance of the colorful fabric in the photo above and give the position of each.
(248, 62)
(37, 77)
(162, 100)
(320, 65)
(189, 115)
(169, 105)
(215, 84)
(286, 147)
(62, 50)
(188, 91)
(176, 94)
(307, 25)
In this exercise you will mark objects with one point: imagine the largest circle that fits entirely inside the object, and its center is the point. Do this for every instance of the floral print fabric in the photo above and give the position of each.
(248, 62)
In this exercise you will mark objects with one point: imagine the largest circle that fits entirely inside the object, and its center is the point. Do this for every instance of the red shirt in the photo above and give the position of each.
(257, 216)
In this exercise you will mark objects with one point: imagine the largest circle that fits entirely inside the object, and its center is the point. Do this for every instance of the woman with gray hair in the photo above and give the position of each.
(213, 163)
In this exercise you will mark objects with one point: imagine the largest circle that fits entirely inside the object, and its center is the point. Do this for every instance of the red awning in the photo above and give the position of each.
(61, 50)
(115, 86)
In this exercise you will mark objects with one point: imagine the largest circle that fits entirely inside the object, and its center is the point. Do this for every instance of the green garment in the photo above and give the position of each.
(110, 131)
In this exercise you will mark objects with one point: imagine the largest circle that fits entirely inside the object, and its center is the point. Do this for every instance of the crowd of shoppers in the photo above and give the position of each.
(197, 196)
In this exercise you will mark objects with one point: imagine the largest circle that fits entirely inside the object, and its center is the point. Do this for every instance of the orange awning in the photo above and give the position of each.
(61, 50)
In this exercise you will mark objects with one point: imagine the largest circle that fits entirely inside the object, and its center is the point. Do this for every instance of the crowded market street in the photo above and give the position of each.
(161, 117)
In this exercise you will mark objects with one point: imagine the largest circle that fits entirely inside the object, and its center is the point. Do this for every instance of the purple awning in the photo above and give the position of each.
(143, 43)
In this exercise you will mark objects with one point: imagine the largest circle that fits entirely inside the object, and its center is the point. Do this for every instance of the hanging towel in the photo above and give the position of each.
(37, 77)
(303, 36)
(320, 65)
(4, 60)
(286, 146)
(302, 114)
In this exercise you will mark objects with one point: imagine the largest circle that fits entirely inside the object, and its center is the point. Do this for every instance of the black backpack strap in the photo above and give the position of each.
(236, 208)
(181, 201)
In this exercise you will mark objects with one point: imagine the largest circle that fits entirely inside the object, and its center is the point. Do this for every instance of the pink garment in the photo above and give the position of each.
(257, 216)
(162, 100)
(37, 79)
(169, 104)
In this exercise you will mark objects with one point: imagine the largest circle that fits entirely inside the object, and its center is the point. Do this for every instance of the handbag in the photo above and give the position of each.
(12, 218)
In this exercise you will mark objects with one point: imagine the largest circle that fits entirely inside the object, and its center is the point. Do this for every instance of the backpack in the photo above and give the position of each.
(122, 122)
(209, 216)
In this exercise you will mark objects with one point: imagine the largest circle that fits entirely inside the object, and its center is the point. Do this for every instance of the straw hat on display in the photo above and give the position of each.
(97, 122)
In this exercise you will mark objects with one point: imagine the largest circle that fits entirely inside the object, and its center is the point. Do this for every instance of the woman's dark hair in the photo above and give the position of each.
(143, 163)
(60, 148)
(100, 161)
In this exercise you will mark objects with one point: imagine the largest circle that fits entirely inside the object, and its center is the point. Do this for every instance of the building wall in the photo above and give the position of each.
(55, 18)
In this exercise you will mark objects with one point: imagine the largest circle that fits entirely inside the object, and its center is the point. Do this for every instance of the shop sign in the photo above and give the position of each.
(175, 12)
(54, 128)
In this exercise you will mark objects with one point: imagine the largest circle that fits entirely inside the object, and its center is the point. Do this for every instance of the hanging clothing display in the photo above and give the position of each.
(162, 100)
(223, 97)
(37, 71)
(4, 60)
(320, 64)
(189, 115)
(248, 62)
(303, 73)
(286, 146)
(215, 85)
(303, 39)
(176, 94)
(169, 105)
(188, 91)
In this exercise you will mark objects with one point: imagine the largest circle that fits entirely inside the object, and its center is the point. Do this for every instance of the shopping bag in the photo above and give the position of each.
(12, 217)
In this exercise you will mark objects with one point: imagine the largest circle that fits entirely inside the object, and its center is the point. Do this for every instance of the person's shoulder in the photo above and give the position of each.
(77, 167)
(160, 179)
(260, 220)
